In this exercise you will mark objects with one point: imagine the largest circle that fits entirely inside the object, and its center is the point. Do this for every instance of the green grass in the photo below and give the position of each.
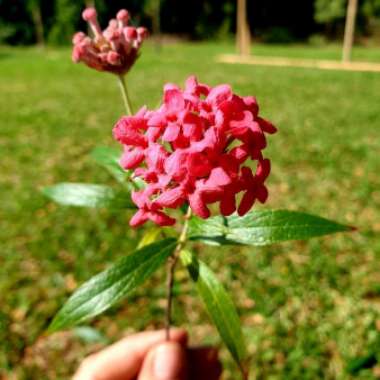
(309, 309)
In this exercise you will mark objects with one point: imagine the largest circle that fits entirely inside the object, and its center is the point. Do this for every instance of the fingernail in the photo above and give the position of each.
(168, 362)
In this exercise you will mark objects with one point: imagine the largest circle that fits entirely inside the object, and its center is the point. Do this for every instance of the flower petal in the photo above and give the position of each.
(171, 132)
(219, 94)
(155, 157)
(172, 198)
(263, 170)
(247, 202)
(126, 131)
(140, 198)
(198, 205)
(198, 165)
(218, 177)
(173, 100)
(175, 164)
(161, 219)
(228, 204)
(262, 194)
(266, 126)
(131, 159)
(139, 218)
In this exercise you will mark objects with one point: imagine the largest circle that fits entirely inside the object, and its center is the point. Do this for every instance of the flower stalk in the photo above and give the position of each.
(172, 262)
(125, 95)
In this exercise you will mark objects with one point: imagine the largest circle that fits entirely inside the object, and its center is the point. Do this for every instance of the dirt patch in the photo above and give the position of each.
(295, 62)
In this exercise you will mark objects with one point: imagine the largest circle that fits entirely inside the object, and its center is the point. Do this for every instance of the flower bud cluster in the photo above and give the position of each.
(115, 49)
(198, 148)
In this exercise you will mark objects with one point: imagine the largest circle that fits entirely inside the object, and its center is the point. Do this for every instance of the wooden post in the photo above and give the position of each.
(35, 11)
(156, 18)
(153, 9)
(39, 25)
(243, 35)
(349, 31)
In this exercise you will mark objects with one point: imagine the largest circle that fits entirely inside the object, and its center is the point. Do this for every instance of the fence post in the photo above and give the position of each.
(243, 35)
(349, 31)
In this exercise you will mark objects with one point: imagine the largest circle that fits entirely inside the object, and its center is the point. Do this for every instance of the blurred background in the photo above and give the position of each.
(310, 310)
(315, 21)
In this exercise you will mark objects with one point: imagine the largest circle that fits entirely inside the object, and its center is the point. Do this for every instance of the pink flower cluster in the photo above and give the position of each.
(115, 49)
(195, 149)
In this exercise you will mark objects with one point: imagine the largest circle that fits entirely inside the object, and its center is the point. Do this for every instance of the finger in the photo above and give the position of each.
(204, 363)
(167, 361)
(123, 360)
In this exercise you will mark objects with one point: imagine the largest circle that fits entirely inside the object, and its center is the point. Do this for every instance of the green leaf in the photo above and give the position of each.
(112, 285)
(260, 228)
(109, 158)
(211, 231)
(90, 335)
(88, 195)
(367, 361)
(150, 236)
(219, 305)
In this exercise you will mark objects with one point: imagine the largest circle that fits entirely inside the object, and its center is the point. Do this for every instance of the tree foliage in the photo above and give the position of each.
(327, 11)
(332, 13)
(67, 13)
(269, 19)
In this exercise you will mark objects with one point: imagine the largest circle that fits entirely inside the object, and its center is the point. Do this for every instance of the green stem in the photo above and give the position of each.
(124, 93)
(244, 372)
(172, 261)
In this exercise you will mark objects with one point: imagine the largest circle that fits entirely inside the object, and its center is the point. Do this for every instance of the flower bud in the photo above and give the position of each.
(130, 33)
(113, 58)
(114, 50)
(89, 15)
(142, 32)
(123, 16)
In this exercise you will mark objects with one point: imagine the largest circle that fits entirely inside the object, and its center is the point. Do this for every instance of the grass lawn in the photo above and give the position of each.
(310, 310)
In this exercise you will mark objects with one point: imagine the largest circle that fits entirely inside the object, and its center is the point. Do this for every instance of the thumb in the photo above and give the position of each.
(166, 361)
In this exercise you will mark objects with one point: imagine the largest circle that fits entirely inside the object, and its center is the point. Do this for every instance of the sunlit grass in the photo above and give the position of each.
(308, 308)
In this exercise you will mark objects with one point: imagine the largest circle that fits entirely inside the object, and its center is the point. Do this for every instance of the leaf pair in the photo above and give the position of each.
(112, 285)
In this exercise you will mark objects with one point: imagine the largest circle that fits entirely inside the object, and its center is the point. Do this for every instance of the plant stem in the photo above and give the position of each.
(124, 93)
(244, 372)
(172, 261)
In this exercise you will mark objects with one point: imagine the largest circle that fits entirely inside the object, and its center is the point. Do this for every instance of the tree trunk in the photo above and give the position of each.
(38, 24)
(349, 31)
(156, 24)
(243, 35)
(156, 19)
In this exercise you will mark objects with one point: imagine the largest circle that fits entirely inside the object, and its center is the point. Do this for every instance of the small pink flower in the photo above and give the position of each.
(115, 49)
(253, 185)
(194, 149)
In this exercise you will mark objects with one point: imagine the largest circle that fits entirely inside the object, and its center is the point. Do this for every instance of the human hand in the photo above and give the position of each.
(147, 356)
